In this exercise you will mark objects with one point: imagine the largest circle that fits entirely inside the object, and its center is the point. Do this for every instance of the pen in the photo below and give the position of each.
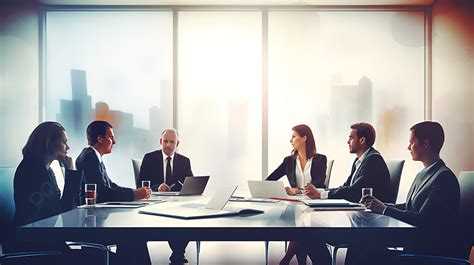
(172, 185)
(284, 199)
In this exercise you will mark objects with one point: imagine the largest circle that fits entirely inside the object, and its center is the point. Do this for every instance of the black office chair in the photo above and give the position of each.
(136, 164)
(7, 227)
(395, 168)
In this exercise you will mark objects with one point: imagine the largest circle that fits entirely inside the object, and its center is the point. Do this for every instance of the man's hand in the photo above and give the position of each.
(163, 187)
(142, 193)
(292, 191)
(311, 191)
(373, 204)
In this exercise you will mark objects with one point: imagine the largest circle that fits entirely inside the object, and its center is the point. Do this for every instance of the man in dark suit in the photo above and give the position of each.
(369, 170)
(100, 137)
(433, 200)
(167, 170)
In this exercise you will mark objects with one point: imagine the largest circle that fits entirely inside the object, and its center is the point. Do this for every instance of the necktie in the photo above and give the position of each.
(169, 176)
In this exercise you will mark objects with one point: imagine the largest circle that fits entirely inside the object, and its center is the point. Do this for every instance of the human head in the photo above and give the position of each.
(361, 138)
(426, 138)
(48, 140)
(169, 140)
(302, 137)
(101, 136)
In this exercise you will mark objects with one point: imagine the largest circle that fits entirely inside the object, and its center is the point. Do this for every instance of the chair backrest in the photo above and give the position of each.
(466, 183)
(136, 163)
(7, 203)
(395, 168)
(328, 172)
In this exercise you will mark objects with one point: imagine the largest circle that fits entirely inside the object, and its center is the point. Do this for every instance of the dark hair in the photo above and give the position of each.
(40, 140)
(95, 129)
(365, 130)
(303, 130)
(431, 131)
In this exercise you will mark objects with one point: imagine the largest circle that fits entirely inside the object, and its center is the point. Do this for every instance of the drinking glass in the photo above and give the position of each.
(146, 183)
(366, 191)
(91, 193)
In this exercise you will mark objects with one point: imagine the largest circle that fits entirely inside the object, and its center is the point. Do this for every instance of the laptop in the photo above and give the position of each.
(268, 189)
(191, 186)
(214, 208)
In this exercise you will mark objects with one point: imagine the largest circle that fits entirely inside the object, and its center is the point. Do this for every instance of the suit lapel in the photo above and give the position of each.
(292, 176)
(160, 172)
(355, 172)
(427, 178)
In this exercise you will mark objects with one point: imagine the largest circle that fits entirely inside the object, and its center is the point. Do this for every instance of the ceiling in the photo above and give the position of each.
(240, 2)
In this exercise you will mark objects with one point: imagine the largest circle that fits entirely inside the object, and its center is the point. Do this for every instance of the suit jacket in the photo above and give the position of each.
(439, 192)
(373, 173)
(95, 173)
(432, 205)
(152, 169)
(37, 195)
(288, 168)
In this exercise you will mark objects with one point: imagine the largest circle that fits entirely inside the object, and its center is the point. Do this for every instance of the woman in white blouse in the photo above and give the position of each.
(303, 166)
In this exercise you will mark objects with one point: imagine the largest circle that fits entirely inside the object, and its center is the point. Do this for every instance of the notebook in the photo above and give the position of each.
(214, 208)
(191, 186)
(333, 204)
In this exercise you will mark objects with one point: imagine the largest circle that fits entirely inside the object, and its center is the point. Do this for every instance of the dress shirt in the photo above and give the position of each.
(164, 164)
(358, 162)
(303, 176)
(97, 154)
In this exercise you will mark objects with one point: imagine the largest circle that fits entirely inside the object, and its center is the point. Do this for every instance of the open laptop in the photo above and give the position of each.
(267, 189)
(191, 186)
(214, 207)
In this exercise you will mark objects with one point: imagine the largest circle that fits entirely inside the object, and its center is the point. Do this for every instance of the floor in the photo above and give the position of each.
(226, 253)
(223, 253)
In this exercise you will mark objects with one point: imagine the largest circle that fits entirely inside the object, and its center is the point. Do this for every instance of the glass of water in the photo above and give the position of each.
(367, 191)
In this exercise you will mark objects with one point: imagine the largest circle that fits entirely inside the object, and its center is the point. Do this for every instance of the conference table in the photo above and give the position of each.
(283, 220)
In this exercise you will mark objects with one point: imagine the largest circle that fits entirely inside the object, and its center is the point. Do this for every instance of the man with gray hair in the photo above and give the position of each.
(167, 170)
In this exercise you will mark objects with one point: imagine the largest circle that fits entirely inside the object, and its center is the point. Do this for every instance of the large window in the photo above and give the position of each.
(324, 68)
(332, 69)
(115, 66)
(220, 95)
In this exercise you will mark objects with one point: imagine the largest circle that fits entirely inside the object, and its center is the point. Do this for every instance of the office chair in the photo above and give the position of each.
(329, 166)
(136, 164)
(395, 168)
(7, 227)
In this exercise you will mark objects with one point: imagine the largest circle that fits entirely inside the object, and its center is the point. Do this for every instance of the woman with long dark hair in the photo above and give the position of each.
(303, 166)
(36, 192)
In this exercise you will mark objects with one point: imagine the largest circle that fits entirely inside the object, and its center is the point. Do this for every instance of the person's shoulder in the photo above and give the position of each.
(374, 155)
(153, 154)
(180, 156)
(87, 154)
(320, 157)
(446, 173)
(288, 159)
